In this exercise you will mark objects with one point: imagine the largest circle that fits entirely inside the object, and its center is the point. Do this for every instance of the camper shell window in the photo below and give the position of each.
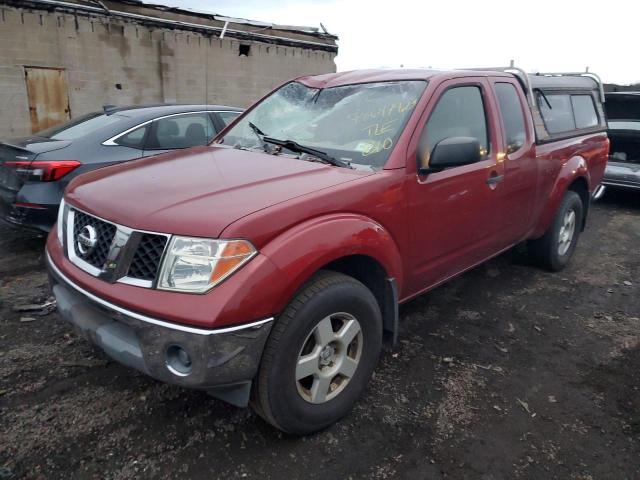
(566, 106)
(567, 112)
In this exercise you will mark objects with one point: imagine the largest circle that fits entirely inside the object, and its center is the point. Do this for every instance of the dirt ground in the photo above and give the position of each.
(506, 372)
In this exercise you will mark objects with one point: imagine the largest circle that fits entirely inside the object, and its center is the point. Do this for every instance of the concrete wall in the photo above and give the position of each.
(150, 65)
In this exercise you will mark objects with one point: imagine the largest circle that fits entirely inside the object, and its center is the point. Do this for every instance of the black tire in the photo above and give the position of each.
(276, 395)
(545, 250)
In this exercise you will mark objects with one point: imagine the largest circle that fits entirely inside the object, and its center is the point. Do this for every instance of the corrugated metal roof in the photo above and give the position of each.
(178, 18)
(223, 18)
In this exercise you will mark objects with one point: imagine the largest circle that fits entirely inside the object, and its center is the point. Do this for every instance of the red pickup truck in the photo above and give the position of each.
(268, 267)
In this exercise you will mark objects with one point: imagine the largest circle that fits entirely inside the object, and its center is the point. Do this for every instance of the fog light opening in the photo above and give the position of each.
(178, 361)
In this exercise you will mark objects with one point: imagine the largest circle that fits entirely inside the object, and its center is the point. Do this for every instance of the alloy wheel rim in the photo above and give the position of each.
(567, 230)
(329, 358)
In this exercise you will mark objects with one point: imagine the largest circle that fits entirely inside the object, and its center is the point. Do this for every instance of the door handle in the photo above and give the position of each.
(494, 179)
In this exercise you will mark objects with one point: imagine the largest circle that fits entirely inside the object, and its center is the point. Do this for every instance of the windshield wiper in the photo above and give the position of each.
(296, 147)
(261, 136)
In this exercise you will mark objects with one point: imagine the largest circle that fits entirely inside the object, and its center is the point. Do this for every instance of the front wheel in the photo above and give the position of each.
(554, 249)
(320, 355)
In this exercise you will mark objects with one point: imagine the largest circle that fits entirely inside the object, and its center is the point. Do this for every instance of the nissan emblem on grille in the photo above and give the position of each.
(87, 240)
(92, 238)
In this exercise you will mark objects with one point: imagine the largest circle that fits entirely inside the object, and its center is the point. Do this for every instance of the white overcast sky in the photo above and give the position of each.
(541, 35)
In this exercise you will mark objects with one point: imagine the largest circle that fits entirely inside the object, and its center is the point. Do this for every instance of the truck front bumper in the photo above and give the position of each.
(223, 361)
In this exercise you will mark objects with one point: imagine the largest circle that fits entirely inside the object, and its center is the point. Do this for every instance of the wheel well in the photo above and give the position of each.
(580, 186)
(373, 275)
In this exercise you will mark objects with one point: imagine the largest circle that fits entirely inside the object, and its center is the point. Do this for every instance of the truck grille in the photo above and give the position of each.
(146, 260)
(98, 234)
(112, 252)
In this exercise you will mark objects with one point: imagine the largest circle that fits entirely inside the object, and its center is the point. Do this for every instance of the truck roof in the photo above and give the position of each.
(386, 75)
(538, 81)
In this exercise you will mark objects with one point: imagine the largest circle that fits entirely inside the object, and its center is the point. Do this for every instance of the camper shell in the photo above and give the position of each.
(539, 86)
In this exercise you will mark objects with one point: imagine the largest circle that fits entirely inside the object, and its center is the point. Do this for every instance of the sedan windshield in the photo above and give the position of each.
(358, 124)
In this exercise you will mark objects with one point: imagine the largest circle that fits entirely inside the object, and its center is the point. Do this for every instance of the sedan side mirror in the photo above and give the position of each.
(453, 152)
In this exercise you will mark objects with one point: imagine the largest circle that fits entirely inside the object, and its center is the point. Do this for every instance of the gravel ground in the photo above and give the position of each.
(506, 372)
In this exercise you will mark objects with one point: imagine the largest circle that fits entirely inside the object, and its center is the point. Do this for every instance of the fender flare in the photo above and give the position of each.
(304, 249)
(575, 168)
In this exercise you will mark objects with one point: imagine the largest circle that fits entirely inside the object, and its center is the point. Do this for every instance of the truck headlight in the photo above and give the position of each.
(197, 264)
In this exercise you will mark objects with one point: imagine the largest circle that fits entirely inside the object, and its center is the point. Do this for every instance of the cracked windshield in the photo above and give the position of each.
(352, 125)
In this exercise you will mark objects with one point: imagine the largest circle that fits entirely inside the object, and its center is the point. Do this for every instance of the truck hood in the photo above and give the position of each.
(200, 191)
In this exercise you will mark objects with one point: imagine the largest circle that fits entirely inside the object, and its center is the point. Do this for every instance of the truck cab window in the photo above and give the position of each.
(512, 116)
(459, 113)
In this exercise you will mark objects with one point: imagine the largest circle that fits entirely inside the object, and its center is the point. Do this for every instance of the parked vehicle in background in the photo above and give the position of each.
(271, 265)
(623, 117)
(35, 170)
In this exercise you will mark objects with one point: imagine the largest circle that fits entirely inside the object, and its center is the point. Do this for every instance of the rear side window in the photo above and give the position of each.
(459, 113)
(564, 113)
(512, 116)
(135, 138)
(181, 131)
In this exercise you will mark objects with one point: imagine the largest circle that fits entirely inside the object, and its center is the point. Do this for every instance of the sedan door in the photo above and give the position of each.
(454, 214)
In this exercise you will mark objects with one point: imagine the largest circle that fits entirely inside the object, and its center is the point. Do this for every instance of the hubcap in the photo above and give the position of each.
(567, 230)
(329, 358)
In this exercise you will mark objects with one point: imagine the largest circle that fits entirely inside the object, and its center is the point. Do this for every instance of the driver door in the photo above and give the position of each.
(455, 214)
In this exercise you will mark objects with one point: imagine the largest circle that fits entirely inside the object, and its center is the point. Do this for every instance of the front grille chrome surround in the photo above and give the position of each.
(113, 252)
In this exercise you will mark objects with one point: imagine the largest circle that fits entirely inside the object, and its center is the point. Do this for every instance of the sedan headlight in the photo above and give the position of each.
(197, 264)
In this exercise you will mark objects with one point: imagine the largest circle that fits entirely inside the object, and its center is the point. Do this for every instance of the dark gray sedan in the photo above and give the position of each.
(35, 170)
(623, 118)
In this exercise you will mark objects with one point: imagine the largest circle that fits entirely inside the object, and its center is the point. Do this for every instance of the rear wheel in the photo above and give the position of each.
(554, 249)
(320, 355)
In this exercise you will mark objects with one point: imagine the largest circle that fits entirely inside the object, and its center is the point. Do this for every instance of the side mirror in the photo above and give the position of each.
(453, 152)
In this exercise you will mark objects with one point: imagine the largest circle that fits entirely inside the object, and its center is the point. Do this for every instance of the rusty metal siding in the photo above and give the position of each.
(48, 97)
